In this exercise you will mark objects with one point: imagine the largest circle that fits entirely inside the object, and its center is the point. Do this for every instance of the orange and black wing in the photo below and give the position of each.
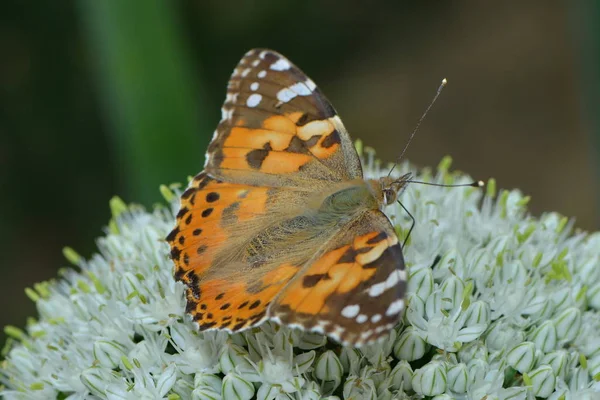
(278, 129)
(353, 290)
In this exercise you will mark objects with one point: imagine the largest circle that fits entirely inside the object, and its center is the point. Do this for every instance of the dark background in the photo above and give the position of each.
(99, 98)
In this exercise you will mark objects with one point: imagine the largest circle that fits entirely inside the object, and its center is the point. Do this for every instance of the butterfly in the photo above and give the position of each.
(281, 224)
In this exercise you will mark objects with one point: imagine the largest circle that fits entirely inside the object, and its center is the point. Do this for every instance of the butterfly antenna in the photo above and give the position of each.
(472, 184)
(412, 135)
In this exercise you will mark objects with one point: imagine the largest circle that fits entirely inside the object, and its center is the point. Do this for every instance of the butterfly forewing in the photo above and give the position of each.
(275, 121)
(251, 241)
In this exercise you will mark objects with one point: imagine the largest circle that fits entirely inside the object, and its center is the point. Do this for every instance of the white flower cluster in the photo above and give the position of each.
(501, 306)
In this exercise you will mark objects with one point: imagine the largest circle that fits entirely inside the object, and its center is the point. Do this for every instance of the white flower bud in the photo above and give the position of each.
(568, 324)
(476, 370)
(559, 361)
(302, 362)
(401, 376)
(205, 393)
(410, 346)
(542, 381)
(430, 380)
(359, 388)
(593, 296)
(452, 260)
(594, 365)
(544, 336)
(579, 380)
(473, 350)
(351, 360)
(236, 388)
(421, 283)
(478, 313)
(108, 353)
(329, 367)
(452, 288)
(522, 357)
(502, 334)
(204, 380)
(458, 378)
(232, 357)
(166, 380)
(310, 392)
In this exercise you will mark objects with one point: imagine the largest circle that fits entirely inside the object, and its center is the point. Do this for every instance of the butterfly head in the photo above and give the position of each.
(391, 188)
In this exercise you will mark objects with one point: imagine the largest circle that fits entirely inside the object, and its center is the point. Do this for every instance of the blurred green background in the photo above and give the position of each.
(109, 97)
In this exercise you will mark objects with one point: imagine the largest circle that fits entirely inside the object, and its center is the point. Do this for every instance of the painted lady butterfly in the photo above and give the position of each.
(281, 225)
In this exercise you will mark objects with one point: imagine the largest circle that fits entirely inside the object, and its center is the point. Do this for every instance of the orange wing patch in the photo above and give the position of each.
(233, 304)
(207, 207)
(277, 122)
(353, 292)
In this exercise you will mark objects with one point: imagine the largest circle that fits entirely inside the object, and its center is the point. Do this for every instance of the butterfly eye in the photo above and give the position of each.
(389, 196)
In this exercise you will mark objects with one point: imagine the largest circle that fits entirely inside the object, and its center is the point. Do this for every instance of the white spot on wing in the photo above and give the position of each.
(226, 114)
(362, 318)
(255, 63)
(285, 95)
(301, 89)
(395, 307)
(253, 100)
(310, 84)
(262, 74)
(366, 334)
(254, 86)
(391, 281)
(246, 72)
(351, 311)
(376, 318)
(280, 65)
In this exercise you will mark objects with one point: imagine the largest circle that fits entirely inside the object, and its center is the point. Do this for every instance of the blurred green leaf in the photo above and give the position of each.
(149, 91)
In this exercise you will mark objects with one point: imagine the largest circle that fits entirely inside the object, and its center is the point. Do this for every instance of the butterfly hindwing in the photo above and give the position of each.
(354, 290)
(277, 128)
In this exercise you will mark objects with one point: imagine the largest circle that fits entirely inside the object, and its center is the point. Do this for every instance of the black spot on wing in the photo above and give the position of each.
(312, 280)
(378, 238)
(331, 139)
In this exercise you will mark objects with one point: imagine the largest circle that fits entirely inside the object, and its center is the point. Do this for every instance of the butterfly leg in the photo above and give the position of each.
(412, 225)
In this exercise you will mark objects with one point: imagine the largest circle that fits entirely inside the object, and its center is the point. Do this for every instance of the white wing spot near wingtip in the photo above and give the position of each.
(262, 74)
(285, 95)
(231, 98)
(225, 115)
(253, 100)
(376, 318)
(351, 311)
(280, 65)
(362, 318)
(246, 72)
(301, 88)
(255, 63)
(395, 307)
(254, 86)
(391, 281)
(310, 84)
